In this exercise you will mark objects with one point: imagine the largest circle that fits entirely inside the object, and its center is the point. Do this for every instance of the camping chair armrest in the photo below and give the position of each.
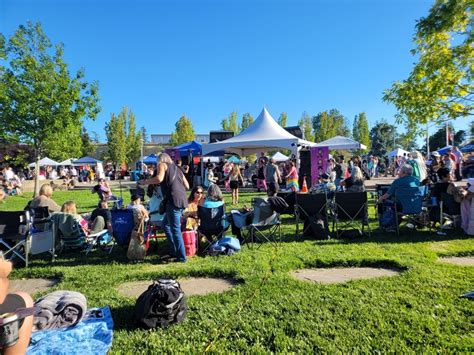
(103, 231)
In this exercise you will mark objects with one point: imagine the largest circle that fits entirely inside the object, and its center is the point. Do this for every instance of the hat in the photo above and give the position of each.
(436, 154)
(470, 181)
(135, 197)
(324, 176)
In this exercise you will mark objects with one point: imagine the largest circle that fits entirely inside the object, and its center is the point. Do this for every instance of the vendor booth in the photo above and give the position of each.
(341, 143)
(44, 162)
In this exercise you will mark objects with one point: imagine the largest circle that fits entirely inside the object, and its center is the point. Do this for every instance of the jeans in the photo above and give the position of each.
(172, 228)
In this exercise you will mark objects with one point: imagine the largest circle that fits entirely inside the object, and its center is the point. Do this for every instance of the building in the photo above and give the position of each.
(166, 138)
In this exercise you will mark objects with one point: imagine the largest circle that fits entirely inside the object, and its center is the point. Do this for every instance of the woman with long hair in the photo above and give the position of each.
(292, 177)
(234, 178)
(190, 213)
(354, 183)
(418, 164)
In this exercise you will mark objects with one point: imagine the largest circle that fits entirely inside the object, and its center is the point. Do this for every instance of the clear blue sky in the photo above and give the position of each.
(209, 58)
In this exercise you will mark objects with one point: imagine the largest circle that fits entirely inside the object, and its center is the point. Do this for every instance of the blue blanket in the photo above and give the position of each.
(93, 335)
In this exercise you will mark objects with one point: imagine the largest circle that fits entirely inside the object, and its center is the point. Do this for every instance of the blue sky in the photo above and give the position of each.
(209, 58)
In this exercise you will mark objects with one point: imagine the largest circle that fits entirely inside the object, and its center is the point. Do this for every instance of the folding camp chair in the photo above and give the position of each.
(266, 224)
(42, 233)
(14, 234)
(350, 209)
(450, 211)
(122, 224)
(309, 208)
(380, 190)
(408, 206)
(212, 224)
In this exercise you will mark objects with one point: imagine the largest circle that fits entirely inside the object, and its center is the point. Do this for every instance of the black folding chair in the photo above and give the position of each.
(350, 209)
(380, 190)
(450, 210)
(266, 224)
(309, 207)
(211, 224)
(14, 234)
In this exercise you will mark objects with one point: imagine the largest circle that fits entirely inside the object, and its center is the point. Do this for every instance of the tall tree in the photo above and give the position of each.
(440, 85)
(145, 137)
(328, 124)
(360, 130)
(230, 123)
(41, 103)
(184, 131)
(116, 139)
(247, 120)
(87, 143)
(383, 138)
(305, 123)
(283, 119)
(438, 139)
(134, 137)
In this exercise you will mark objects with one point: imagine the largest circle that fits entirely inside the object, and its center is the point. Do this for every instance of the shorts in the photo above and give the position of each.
(234, 184)
(11, 304)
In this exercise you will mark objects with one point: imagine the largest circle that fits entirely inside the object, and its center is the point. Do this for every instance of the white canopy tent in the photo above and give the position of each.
(44, 162)
(339, 142)
(397, 153)
(279, 157)
(67, 162)
(264, 134)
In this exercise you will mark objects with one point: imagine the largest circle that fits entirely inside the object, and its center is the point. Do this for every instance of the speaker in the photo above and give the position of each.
(218, 136)
(305, 167)
(295, 130)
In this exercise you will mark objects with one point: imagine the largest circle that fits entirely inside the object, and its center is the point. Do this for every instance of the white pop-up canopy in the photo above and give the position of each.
(264, 134)
(279, 157)
(44, 162)
(339, 142)
(67, 162)
(397, 153)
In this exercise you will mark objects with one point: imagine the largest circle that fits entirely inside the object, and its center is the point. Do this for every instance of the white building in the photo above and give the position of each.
(166, 138)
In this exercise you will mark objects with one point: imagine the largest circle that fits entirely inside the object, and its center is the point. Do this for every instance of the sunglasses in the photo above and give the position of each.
(199, 192)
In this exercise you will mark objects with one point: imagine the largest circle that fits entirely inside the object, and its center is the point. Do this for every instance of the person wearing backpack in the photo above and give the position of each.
(173, 185)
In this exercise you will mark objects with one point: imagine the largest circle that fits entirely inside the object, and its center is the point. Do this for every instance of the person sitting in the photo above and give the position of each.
(214, 197)
(444, 180)
(105, 192)
(44, 199)
(9, 303)
(324, 186)
(354, 183)
(139, 211)
(190, 213)
(69, 207)
(101, 218)
(405, 179)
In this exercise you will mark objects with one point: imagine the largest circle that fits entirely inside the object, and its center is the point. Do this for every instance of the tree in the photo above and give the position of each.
(145, 137)
(282, 120)
(440, 85)
(328, 124)
(382, 138)
(42, 105)
(87, 143)
(134, 138)
(230, 123)
(305, 123)
(184, 131)
(247, 120)
(438, 139)
(360, 130)
(116, 139)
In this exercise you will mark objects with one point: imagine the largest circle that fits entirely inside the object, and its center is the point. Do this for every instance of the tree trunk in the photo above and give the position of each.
(37, 187)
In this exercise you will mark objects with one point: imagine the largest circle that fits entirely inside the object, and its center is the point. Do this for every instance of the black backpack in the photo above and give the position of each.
(162, 304)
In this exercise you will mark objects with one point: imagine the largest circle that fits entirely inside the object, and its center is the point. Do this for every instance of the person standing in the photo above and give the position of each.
(292, 177)
(173, 185)
(272, 176)
(234, 178)
(458, 163)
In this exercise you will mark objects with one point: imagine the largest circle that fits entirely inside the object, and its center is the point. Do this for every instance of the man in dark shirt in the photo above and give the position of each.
(101, 218)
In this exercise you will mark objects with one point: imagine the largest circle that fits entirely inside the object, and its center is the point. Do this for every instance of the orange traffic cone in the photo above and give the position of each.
(304, 188)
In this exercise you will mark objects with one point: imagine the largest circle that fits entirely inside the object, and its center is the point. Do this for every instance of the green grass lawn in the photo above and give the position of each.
(269, 311)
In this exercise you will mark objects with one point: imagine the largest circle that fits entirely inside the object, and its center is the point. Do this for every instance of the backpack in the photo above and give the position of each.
(162, 304)
(316, 227)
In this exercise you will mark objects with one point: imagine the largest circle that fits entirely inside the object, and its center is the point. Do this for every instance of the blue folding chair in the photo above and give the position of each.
(409, 205)
(122, 225)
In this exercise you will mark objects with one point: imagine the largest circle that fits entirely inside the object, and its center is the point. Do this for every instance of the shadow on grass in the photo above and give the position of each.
(124, 317)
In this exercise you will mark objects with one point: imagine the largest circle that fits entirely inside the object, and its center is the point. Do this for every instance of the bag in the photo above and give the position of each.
(162, 207)
(137, 248)
(388, 218)
(318, 228)
(162, 304)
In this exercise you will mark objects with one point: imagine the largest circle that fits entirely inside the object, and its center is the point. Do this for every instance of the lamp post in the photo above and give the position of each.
(143, 138)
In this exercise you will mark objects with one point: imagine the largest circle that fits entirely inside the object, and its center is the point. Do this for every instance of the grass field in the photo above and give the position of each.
(269, 311)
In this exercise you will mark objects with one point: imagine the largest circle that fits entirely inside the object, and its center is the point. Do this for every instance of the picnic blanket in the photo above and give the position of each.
(59, 309)
(93, 335)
